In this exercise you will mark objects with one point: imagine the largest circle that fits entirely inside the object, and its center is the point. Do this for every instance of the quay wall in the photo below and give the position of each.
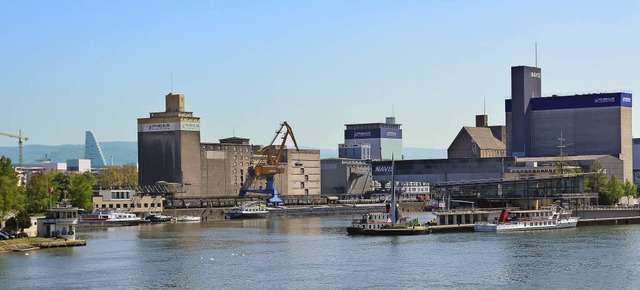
(606, 213)
(326, 210)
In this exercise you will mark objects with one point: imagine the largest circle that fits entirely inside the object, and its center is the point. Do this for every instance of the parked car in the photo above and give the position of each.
(4, 237)
(11, 236)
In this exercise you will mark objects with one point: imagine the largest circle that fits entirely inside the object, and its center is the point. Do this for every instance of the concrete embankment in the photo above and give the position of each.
(38, 243)
(323, 210)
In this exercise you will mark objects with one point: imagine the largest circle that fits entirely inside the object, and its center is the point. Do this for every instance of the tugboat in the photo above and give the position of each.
(390, 223)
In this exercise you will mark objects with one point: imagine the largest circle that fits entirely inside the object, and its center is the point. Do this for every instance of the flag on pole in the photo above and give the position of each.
(51, 191)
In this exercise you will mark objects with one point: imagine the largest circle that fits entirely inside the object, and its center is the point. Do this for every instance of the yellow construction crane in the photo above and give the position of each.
(20, 139)
(269, 165)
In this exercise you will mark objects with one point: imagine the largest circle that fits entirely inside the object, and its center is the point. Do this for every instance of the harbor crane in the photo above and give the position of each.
(269, 165)
(20, 139)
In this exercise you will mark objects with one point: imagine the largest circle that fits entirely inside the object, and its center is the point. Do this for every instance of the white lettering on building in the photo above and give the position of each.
(604, 100)
(536, 75)
(362, 134)
(626, 100)
(392, 134)
(383, 169)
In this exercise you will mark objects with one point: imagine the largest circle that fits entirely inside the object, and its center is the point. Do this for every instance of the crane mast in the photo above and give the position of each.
(20, 139)
(269, 165)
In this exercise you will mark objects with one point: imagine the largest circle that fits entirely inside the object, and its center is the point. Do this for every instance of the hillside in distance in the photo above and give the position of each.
(122, 152)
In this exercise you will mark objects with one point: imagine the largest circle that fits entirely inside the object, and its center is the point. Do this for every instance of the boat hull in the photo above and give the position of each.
(519, 227)
(241, 215)
(391, 231)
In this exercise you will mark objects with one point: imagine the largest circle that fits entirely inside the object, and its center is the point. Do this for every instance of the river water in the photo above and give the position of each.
(316, 253)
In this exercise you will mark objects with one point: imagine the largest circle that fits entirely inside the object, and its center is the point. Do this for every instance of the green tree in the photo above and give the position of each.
(18, 223)
(38, 196)
(596, 180)
(611, 192)
(116, 176)
(81, 190)
(630, 190)
(11, 194)
(62, 184)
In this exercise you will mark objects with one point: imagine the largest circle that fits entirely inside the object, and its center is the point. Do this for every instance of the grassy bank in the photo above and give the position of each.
(23, 244)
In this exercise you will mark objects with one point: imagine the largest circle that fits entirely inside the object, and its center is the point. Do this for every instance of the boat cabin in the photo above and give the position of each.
(60, 222)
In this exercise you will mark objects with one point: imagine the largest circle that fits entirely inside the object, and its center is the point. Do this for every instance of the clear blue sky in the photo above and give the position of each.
(72, 66)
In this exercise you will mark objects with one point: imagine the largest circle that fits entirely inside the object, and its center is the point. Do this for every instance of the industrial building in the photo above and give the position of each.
(168, 147)
(375, 141)
(481, 141)
(346, 176)
(582, 124)
(170, 152)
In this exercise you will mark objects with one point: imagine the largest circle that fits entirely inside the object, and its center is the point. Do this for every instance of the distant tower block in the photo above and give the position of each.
(93, 151)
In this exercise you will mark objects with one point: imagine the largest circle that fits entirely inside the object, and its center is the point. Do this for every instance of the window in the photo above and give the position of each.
(124, 205)
(118, 205)
(306, 191)
(110, 205)
(146, 205)
(306, 178)
(139, 205)
(301, 184)
(301, 170)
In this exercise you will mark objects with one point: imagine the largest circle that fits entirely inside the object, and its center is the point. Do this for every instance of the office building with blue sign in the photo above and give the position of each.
(375, 141)
(581, 124)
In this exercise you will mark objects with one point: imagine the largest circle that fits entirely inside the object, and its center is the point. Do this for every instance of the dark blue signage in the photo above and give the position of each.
(372, 133)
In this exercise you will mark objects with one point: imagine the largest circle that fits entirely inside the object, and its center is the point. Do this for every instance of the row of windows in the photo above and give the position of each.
(125, 205)
(120, 195)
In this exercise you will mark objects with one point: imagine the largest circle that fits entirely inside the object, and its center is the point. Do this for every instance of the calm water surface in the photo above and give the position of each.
(316, 253)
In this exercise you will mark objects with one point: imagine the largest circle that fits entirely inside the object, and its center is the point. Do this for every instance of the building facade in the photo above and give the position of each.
(169, 147)
(92, 150)
(588, 124)
(346, 176)
(225, 166)
(383, 139)
(126, 201)
(481, 141)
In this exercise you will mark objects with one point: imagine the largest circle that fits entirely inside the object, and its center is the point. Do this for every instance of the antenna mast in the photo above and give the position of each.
(536, 54)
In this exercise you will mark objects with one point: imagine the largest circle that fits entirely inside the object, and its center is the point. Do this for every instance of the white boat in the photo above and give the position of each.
(109, 218)
(188, 218)
(529, 220)
(123, 218)
(254, 209)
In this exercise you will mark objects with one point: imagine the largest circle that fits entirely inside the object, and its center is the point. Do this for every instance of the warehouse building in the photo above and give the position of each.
(582, 124)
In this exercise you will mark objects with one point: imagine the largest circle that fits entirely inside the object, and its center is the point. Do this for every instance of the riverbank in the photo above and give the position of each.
(297, 211)
(28, 244)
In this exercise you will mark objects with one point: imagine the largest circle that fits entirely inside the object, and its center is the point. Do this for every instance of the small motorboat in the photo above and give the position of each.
(188, 218)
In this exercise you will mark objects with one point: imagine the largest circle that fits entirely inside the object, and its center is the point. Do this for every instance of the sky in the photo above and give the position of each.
(246, 66)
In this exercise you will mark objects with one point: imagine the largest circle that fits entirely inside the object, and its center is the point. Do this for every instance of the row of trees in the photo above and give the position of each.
(609, 190)
(46, 189)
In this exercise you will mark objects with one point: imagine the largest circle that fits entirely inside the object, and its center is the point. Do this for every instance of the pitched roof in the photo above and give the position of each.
(484, 138)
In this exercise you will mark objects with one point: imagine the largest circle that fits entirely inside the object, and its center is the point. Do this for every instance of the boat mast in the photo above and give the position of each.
(393, 216)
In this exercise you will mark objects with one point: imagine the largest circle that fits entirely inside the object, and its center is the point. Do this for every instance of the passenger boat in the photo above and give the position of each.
(188, 218)
(157, 218)
(109, 218)
(529, 220)
(254, 209)
(390, 223)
